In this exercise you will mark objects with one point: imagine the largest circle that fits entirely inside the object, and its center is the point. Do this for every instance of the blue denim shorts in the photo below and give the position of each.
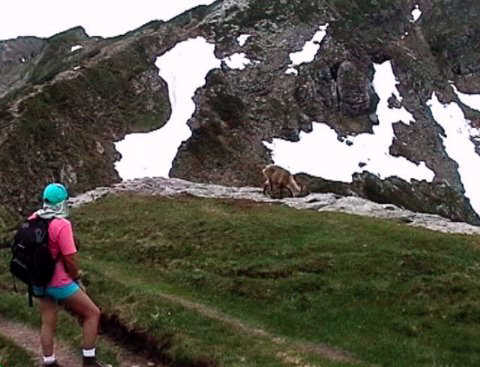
(57, 293)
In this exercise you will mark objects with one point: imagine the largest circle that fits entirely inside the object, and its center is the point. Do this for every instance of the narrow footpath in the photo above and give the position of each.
(29, 339)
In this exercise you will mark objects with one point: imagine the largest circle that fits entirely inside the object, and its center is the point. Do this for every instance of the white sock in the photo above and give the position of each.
(89, 352)
(49, 359)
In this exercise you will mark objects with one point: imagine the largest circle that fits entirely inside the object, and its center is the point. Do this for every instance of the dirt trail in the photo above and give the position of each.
(292, 350)
(29, 339)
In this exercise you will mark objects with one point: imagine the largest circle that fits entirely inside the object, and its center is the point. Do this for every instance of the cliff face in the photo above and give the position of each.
(336, 89)
(61, 110)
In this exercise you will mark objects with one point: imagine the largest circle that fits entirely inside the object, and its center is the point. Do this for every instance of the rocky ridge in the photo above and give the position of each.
(320, 202)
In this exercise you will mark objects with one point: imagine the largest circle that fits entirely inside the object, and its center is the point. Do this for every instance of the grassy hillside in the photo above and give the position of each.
(12, 355)
(233, 283)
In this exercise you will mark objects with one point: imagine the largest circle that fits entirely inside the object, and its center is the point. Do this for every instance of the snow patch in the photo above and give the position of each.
(237, 61)
(471, 100)
(151, 154)
(363, 151)
(242, 39)
(307, 54)
(459, 146)
(385, 85)
(416, 13)
(75, 48)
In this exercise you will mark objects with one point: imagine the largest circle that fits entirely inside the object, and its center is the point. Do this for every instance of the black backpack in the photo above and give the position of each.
(32, 261)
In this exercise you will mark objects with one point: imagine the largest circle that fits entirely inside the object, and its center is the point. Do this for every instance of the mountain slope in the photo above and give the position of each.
(222, 282)
(61, 110)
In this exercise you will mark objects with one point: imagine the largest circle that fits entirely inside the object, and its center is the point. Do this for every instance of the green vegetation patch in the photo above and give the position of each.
(371, 23)
(11, 355)
(241, 283)
(55, 57)
(279, 11)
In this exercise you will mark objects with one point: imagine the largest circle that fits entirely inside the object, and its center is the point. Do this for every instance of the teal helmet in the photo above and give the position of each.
(55, 193)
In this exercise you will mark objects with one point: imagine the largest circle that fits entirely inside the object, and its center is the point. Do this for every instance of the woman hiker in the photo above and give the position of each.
(65, 286)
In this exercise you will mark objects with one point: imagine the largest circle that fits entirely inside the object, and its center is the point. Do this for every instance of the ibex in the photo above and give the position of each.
(279, 178)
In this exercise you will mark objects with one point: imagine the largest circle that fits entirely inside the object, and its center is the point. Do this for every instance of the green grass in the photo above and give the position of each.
(202, 276)
(13, 356)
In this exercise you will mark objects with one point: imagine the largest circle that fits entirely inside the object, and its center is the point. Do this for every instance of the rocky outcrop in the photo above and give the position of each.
(419, 196)
(355, 92)
(61, 109)
(335, 89)
(319, 202)
(15, 59)
(60, 124)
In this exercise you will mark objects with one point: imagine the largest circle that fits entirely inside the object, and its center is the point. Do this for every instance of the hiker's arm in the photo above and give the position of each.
(71, 266)
(66, 245)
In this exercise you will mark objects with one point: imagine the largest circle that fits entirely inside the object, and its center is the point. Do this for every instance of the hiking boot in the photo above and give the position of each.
(92, 362)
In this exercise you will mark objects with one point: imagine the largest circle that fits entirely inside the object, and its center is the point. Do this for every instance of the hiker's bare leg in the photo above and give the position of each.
(48, 310)
(83, 306)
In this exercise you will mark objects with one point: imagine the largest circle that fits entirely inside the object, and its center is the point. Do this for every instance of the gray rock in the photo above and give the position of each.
(318, 202)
